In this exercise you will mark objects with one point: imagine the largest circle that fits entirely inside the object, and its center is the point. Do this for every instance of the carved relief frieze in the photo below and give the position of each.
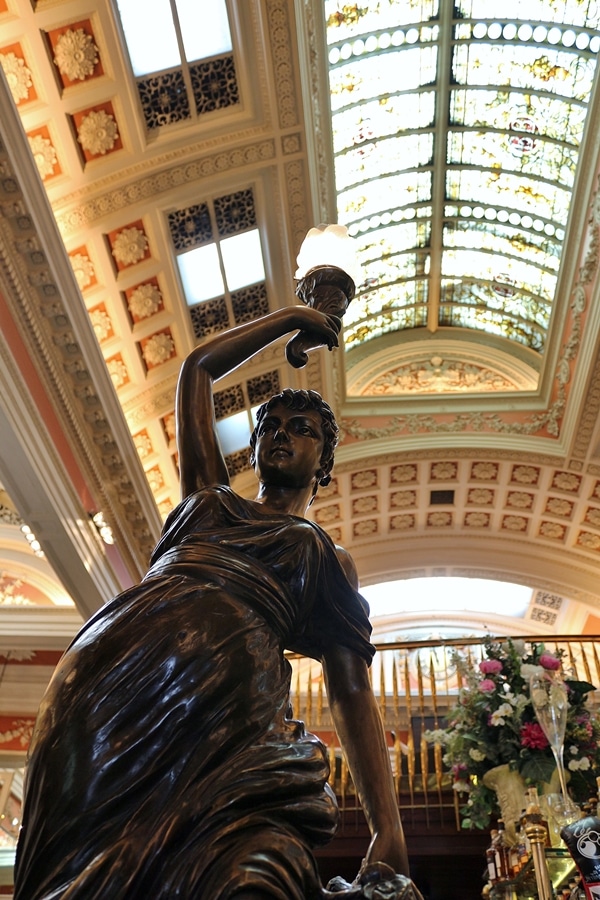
(439, 376)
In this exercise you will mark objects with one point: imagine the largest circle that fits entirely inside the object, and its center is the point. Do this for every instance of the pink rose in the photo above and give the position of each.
(549, 661)
(487, 685)
(490, 666)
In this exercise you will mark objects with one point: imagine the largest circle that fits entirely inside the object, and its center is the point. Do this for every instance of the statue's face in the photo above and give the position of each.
(289, 446)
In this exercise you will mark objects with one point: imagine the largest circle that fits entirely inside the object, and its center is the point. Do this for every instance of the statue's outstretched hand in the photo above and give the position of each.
(317, 329)
(374, 880)
(324, 325)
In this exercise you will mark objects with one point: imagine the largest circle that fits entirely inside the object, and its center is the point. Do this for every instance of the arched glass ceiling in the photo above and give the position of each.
(456, 140)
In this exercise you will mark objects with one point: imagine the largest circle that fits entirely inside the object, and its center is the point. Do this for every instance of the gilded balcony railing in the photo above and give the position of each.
(415, 683)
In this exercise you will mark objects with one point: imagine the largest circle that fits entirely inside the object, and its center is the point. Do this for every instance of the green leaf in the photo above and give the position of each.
(580, 687)
(538, 769)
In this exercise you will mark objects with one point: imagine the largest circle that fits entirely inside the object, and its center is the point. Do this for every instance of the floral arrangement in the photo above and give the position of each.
(493, 722)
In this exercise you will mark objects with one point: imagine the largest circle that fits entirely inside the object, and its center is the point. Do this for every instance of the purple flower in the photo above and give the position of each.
(487, 685)
(490, 666)
(549, 661)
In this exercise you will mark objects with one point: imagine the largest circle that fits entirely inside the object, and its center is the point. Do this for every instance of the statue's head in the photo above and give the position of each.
(304, 400)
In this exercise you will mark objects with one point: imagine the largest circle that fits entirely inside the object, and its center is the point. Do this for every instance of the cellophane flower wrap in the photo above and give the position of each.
(493, 723)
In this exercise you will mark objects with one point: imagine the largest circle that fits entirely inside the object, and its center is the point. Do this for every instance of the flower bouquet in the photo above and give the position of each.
(493, 723)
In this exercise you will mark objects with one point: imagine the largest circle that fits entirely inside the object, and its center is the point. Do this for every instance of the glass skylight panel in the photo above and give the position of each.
(243, 259)
(386, 156)
(385, 300)
(526, 195)
(384, 193)
(524, 112)
(342, 18)
(204, 28)
(487, 266)
(151, 37)
(201, 274)
(503, 241)
(524, 67)
(234, 432)
(515, 95)
(382, 243)
(546, 160)
(573, 12)
(394, 320)
(389, 72)
(486, 319)
(383, 117)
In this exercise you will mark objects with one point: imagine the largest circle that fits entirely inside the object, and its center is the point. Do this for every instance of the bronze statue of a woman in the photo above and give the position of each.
(164, 762)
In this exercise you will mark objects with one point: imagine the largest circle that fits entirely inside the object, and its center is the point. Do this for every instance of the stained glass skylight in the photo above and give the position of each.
(456, 138)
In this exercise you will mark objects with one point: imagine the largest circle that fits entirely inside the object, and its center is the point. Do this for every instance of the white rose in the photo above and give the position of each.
(477, 755)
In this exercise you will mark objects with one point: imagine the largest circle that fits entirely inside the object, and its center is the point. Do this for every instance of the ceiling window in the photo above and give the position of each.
(220, 260)
(182, 57)
(457, 129)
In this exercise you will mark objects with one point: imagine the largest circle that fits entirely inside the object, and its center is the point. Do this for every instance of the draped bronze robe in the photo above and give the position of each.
(164, 763)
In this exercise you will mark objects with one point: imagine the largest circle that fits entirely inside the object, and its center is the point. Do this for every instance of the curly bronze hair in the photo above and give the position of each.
(304, 400)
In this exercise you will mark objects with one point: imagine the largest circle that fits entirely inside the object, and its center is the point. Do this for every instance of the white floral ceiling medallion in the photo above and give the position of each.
(130, 246)
(158, 349)
(44, 155)
(98, 132)
(17, 75)
(145, 301)
(83, 269)
(76, 54)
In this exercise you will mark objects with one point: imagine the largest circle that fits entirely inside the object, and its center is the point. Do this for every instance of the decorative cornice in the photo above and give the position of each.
(87, 212)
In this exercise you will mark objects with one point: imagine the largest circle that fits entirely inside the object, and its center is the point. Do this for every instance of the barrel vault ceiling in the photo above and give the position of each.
(458, 456)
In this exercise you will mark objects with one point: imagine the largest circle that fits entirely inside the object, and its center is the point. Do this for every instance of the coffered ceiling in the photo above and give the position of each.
(457, 457)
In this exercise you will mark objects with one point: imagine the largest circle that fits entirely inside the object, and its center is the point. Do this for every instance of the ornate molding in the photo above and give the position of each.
(44, 299)
(589, 416)
(437, 375)
(283, 66)
(295, 180)
(311, 39)
(160, 182)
